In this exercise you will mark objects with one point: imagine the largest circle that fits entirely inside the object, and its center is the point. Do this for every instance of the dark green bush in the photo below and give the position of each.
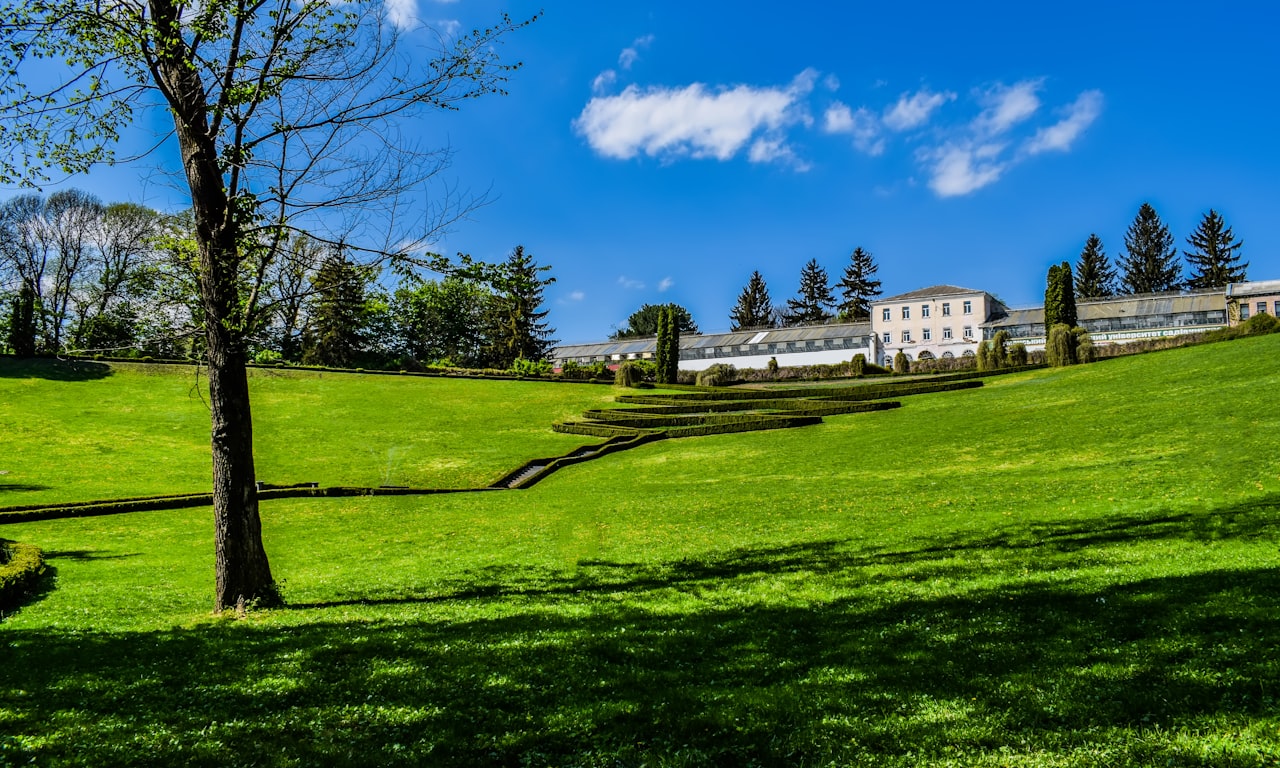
(900, 363)
(1017, 355)
(1060, 348)
(858, 365)
(1000, 350)
(773, 366)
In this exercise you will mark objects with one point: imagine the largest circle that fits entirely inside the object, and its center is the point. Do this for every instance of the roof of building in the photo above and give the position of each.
(734, 338)
(930, 292)
(1255, 288)
(1121, 306)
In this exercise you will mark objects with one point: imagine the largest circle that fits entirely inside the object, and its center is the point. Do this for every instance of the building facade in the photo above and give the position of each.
(1244, 300)
(1122, 319)
(941, 321)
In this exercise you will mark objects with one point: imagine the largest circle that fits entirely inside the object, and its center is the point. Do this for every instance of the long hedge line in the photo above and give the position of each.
(859, 392)
(21, 566)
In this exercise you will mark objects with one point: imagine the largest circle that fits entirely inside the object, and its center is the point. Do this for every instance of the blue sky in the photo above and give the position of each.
(653, 152)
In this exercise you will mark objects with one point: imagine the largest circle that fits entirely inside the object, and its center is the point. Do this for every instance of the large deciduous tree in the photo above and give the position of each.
(813, 303)
(858, 287)
(1214, 257)
(754, 308)
(1095, 277)
(1150, 262)
(282, 112)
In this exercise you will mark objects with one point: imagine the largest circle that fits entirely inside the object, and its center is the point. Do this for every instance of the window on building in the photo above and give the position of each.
(1262, 307)
(906, 337)
(906, 313)
(1276, 309)
(946, 333)
(946, 309)
(968, 309)
(924, 310)
(968, 332)
(888, 339)
(885, 314)
(927, 334)
(1244, 311)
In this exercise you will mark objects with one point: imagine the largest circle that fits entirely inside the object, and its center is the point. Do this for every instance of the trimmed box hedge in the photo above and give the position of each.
(21, 566)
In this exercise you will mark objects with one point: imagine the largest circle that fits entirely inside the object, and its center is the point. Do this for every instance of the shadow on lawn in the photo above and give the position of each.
(52, 369)
(621, 664)
(22, 487)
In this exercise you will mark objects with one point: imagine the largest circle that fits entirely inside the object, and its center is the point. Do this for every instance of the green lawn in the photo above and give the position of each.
(1062, 568)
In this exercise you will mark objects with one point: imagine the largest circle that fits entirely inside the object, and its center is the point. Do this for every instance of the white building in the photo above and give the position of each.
(941, 321)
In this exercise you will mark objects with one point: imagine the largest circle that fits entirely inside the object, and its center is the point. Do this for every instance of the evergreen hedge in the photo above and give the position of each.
(21, 566)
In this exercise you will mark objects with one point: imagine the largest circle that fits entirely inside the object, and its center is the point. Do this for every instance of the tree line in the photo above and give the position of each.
(81, 276)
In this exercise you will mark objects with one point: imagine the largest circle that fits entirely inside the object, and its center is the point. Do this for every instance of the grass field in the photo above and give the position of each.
(1063, 568)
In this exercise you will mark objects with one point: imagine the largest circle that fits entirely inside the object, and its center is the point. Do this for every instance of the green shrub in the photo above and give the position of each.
(718, 375)
(267, 357)
(773, 366)
(20, 568)
(858, 365)
(1259, 324)
(1083, 346)
(524, 367)
(1060, 350)
(1017, 355)
(1000, 350)
(900, 363)
(628, 375)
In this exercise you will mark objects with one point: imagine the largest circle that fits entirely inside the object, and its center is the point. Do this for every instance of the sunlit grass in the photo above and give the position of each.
(1062, 568)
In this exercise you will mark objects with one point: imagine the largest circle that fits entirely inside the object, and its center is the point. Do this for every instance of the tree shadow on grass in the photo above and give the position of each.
(22, 487)
(52, 369)
(630, 664)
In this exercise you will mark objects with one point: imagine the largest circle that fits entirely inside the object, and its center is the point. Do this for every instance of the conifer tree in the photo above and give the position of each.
(673, 346)
(1150, 262)
(1215, 258)
(812, 305)
(858, 287)
(754, 308)
(660, 348)
(335, 334)
(22, 324)
(521, 332)
(1095, 277)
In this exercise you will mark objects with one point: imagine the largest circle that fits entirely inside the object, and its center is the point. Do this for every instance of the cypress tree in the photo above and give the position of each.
(660, 347)
(810, 307)
(858, 287)
(673, 346)
(1000, 350)
(754, 308)
(1067, 294)
(22, 323)
(1052, 298)
(1215, 258)
(1150, 262)
(1095, 277)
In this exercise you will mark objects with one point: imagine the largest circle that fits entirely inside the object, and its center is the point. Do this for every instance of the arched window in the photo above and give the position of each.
(926, 355)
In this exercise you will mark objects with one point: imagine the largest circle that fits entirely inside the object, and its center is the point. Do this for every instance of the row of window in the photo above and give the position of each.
(1262, 309)
(886, 314)
(927, 335)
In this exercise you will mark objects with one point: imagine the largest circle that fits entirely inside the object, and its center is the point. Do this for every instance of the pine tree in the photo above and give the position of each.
(1150, 262)
(521, 331)
(858, 287)
(335, 334)
(814, 300)
(1215, 260)
(1095, 277)
(754, 308)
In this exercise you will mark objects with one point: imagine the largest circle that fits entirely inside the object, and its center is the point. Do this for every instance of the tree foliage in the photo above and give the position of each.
(1095, 277)
(858, 287)
(814, 301)
(643, 323)
(1060, 347)
(754, 309)
(335, 334)
(521, 331)
(282, 112)
(1214, 257)
(1059, 296)
(1150, 263)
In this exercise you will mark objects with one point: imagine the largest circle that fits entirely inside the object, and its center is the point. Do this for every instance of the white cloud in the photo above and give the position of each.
(960, 169)
(831, 82)
(664, 284)
(577, 296)
(603, 81)
(629, 284)
(1006, 106)
(631, 54)
(403, 14)
(862, 125)
(696, 121)
(913, 110)
(1062, 134)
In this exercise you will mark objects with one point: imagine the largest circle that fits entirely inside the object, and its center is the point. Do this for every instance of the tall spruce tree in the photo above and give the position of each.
(812, 305)
(754, 308)
(1215, 256)
(1095, 277)
(858, 287)
(335, 334)
(1150, 262)
(520, 331)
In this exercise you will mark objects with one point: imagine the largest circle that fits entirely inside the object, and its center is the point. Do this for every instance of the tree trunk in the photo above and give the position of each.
(241, 571)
